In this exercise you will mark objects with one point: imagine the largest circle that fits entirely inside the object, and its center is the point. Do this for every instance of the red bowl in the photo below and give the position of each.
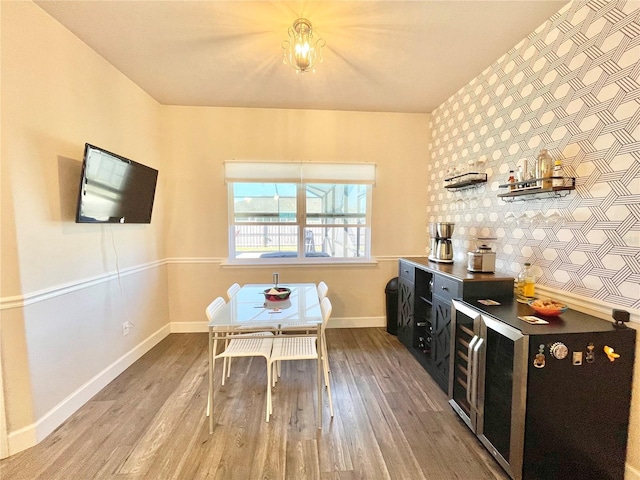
(283, 294)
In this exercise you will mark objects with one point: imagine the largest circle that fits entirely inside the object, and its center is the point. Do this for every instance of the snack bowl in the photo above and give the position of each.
(549, 308)
(277, 294)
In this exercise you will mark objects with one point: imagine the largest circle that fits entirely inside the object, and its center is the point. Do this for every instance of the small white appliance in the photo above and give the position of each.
(483, 258)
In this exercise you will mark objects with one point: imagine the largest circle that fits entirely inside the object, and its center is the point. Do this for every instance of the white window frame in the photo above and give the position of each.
(300, 174)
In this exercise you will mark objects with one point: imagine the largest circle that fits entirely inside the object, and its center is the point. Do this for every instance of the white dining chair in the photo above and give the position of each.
(323, 290)
(241, 346)
(233, 289)
(226, 366)
(326, 307)
(211, 310)
(289, 347)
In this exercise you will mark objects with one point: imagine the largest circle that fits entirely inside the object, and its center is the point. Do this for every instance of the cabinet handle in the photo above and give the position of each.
(474, 379)
(444, 288)
(470, 367)
(406, 271)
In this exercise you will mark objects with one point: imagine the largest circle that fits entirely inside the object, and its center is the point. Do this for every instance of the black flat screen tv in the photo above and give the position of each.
(114, 189)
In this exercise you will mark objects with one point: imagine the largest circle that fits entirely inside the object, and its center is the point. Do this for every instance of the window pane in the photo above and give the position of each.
(264, 202)
(336, 242)
(313, 220)
(336, 201)
(265, 222)
(264, 241)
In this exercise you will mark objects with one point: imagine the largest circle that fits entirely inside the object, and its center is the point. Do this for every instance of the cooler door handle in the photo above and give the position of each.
(470, 366)
(474, 379)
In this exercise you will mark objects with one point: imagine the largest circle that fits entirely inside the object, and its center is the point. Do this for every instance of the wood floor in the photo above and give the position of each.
(391, 421)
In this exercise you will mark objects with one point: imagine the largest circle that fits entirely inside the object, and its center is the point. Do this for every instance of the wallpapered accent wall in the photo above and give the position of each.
(572, 87)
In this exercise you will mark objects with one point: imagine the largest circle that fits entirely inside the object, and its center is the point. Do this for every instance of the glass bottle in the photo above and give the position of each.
(511, 181)
(544, 167)
(526, 285)
(557, 181)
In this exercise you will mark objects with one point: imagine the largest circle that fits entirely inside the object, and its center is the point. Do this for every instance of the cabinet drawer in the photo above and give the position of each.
(407, 271)
(446, 287)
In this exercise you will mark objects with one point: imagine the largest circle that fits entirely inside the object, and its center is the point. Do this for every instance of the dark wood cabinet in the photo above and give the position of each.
(445, 289)
(425, 291)
(441, 339)
(406, 291)
(414, 311)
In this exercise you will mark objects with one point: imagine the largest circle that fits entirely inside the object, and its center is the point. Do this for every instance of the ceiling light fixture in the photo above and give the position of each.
(300, 51)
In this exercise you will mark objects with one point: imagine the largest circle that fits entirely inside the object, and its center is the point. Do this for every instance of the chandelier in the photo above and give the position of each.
(300, 51)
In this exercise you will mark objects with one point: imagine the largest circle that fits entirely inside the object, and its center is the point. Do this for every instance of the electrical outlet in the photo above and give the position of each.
(126, 326)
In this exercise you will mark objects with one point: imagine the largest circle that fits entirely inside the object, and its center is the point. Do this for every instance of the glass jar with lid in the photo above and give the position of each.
(544, 168)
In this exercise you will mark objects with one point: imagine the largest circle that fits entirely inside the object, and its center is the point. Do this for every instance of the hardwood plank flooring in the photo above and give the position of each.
(391, 422)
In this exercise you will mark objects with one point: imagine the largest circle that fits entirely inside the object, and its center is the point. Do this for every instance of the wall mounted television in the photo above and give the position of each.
(114, 189)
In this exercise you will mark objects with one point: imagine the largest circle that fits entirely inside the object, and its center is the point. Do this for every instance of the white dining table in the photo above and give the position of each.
(248, 311)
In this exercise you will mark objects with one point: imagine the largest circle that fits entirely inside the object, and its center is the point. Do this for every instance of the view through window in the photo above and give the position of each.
(300, 220)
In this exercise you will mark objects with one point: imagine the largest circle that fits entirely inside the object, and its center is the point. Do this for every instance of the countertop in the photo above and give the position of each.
(570, 321)
(509, 309)
(457, 271)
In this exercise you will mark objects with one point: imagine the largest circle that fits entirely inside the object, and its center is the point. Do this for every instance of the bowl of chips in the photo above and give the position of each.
(277, 294)
(549, 308)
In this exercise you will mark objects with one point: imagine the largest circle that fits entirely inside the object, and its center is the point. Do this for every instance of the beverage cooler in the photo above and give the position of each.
(547, 401)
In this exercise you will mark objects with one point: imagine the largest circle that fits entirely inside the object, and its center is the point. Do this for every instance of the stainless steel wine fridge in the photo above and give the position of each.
(548, 401)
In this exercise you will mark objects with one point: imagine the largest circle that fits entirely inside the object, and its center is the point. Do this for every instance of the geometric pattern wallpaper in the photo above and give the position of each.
(572, 87)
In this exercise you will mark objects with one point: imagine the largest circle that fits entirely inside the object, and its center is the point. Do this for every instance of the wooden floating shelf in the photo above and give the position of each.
(465, 180)
(521, 189)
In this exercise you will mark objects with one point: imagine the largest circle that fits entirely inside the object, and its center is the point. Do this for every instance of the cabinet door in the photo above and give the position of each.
(405, 312)
(441, 340)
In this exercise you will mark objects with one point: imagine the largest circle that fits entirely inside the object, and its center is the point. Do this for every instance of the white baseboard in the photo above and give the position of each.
(32, 434)
(188, 327)
(357, 322)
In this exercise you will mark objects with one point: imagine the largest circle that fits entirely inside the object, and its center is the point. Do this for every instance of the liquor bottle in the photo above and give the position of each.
(544, 166)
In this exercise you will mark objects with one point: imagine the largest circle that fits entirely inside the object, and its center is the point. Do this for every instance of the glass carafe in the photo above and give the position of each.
(526, 285)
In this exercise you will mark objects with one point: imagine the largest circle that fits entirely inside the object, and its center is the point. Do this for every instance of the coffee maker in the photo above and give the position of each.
(441, 246)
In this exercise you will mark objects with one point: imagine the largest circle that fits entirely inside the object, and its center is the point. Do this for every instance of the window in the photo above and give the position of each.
(322, 218)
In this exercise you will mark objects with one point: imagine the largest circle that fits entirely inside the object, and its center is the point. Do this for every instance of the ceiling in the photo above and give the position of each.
(384, 56)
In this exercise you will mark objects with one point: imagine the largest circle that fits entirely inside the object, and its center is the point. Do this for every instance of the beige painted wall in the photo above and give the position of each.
(199, 140)
(61, 306)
